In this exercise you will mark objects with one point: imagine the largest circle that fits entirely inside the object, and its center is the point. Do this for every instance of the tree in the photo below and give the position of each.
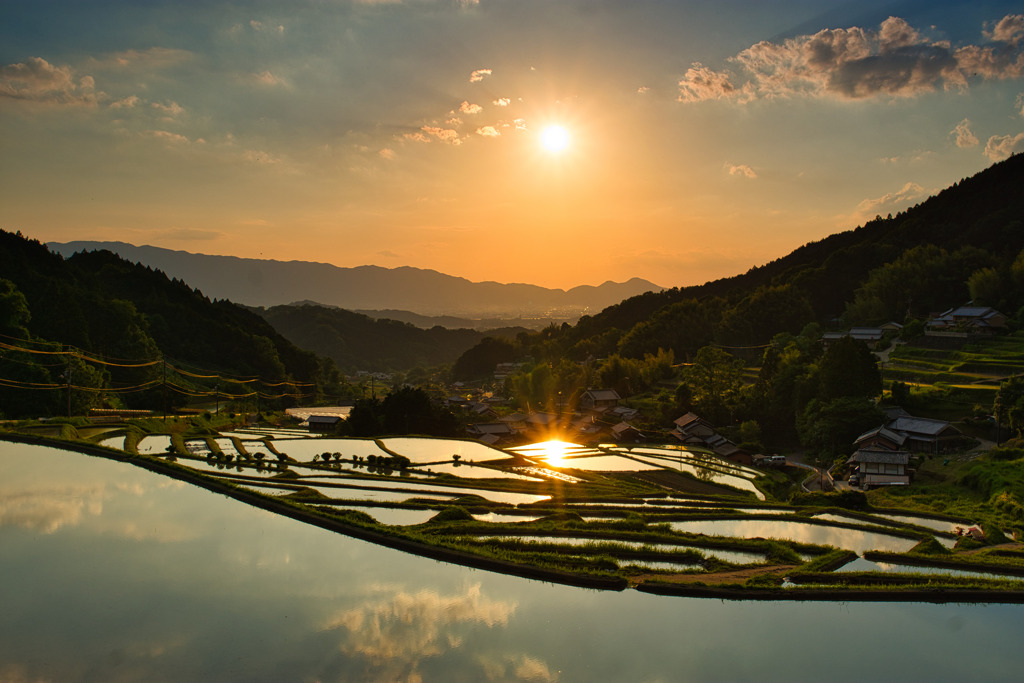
(829, 428)
(481, 360)
(716, 379)
(848, 368)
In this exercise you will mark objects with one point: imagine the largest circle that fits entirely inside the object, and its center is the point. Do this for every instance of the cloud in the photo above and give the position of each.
(1010, 29)
(899, 200)
(1020, 104)
(1000, 147)
(47, 510)
(701, 83)
(36, 80)
(467, 108)
(168, 137)
(386, 153)
(267, 78)
(443, 134)
(742, 170)
(895, 60)
(502, 102)
(964, 136)
(479, 75)
(126, 102)
(406, 627)
(488, 131)
(172, 109)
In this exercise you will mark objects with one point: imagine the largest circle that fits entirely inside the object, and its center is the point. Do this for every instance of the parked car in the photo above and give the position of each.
(854, 480)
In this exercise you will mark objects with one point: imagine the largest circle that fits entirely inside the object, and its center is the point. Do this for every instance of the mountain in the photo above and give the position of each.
(358, 342)
(260, 282)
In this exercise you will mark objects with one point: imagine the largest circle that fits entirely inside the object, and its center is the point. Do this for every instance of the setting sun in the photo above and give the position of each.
(555, 138)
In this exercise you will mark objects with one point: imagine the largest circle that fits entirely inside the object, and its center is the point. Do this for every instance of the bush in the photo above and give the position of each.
(452, 514)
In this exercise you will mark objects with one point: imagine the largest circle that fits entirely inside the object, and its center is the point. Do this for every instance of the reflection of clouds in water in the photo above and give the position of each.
(399, 631)
(49, 510)
(519, 668)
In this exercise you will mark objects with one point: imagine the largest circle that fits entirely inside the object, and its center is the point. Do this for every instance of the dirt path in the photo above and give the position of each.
(735, 576)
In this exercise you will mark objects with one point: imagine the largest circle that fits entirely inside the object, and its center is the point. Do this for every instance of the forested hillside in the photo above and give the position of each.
(355, 341)
(909, 265)
(126, 333)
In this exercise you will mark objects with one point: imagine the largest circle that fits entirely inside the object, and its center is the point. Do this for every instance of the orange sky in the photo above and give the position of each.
(701, 140)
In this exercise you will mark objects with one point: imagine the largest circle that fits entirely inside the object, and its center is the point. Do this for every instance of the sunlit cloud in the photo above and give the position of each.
(502, 102)
(851, 63)
(467, 108)
(892, 201)
(37, 80)
(168, 137)
(386, 153)
(1010, 29)
(125, 102)
(447, 135)
(742, 170)
(1000, 147)
(964, 136)
(701, 83)
(488, 131)
(479, 75)
(171, 109)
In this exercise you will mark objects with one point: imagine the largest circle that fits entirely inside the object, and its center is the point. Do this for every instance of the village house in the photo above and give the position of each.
(599, 400)
(881, 438)
(322, 424)
(491, 433)
(693, 430)
(880, 467)
(966, 320)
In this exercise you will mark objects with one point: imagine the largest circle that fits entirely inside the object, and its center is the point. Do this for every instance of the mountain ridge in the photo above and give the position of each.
(270, 282)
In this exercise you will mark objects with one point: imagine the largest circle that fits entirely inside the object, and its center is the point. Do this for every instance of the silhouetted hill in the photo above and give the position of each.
(131, 319)
(257, 282)
(985, 211)
(356, 341)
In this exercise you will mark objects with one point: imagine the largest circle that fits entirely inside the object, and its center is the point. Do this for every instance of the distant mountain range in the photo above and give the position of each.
(258, 282)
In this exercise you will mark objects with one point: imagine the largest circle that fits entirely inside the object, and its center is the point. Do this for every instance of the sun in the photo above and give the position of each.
(555, 138)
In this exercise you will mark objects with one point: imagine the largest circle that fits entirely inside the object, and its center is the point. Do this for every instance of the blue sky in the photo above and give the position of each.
(704, 137)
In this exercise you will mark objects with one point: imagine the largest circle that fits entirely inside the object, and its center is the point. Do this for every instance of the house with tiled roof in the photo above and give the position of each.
(966, 320)
(880, 467)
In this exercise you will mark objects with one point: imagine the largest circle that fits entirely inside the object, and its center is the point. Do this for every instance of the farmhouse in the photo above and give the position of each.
(878, 467)
(599, 400)
(966, 320)
(322, 423)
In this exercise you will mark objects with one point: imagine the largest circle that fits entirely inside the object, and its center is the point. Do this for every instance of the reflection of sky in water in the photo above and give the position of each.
(470, 471)
(395, 516)
(700, 459)
(435, 450)
(113, 442)
(849, 539)
(705, 474)
(935, 524)
(498, 518)
(159, 580)
(862, 565)
(155, 444)
(734, 556)
(608, 463)
(304, 450)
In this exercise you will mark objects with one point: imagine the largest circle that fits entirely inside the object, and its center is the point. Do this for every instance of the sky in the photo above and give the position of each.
(693, 139)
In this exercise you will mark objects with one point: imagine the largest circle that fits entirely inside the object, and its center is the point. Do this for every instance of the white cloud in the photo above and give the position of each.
(467, 108)
(479, 75)
(964, 136)
(899, 200)
(1000, 147)
(488, 131)
(502, 102)
(742, 170)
